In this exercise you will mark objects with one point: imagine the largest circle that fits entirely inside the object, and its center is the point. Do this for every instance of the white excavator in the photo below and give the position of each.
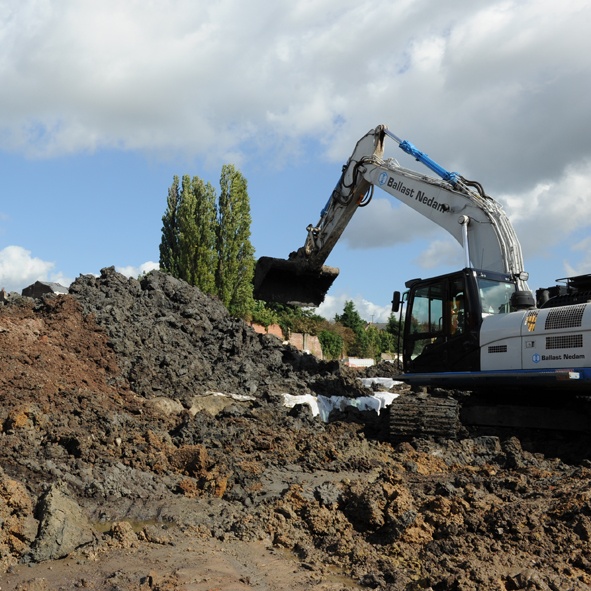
(477, 329)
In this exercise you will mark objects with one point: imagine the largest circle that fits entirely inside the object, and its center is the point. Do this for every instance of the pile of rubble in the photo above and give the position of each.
(138, 415)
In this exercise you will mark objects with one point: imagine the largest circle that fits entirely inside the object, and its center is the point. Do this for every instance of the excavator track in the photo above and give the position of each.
(423, 415)
(453, 414)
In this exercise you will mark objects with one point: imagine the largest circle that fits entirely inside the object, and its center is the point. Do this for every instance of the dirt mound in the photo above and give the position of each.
(144, 445)
(172, 340)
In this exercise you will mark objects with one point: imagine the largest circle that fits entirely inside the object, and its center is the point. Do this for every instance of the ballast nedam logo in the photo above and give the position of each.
(567, 356)
(386, 179)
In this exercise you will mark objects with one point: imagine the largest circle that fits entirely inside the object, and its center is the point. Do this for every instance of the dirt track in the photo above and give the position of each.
(123, 466)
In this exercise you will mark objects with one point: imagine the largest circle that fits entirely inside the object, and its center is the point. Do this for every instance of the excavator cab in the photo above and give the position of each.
(443, 318)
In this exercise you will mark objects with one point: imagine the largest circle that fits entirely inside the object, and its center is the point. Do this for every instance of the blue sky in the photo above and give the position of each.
(103, 102)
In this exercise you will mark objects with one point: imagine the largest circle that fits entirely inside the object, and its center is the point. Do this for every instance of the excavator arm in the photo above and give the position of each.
(459, 206)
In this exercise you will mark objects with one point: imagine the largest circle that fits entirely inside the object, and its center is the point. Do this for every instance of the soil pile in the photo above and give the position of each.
(144, 444)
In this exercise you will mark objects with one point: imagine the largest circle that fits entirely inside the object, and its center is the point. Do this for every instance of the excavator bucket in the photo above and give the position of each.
(292, 282)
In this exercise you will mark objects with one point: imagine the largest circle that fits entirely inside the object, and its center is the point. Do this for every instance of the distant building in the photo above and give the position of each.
(40, 288)
(358, 362)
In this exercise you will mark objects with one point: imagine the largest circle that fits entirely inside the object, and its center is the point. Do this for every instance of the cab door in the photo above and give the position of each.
(438, 335)
(424, 329)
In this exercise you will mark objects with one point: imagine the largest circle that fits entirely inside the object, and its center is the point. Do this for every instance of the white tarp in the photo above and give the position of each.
(324, 405)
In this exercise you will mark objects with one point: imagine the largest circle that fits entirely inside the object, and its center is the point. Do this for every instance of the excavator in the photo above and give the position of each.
(525, 360)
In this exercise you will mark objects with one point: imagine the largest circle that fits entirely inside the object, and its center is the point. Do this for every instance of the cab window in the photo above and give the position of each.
(495, 296)
(427, 310)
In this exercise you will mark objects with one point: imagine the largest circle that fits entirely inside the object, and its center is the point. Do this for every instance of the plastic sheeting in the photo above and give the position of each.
(323, 405)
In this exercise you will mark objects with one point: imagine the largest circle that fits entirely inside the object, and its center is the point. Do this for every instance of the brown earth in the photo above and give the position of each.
(144, 445)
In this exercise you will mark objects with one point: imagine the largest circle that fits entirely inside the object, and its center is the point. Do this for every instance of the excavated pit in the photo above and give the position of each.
(144, 444)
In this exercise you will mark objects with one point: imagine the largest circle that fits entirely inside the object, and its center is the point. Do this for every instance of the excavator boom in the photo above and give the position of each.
(459, 206)
(302, 279)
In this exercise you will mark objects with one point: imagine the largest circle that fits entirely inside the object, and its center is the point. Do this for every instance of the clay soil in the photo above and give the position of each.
(145, 445)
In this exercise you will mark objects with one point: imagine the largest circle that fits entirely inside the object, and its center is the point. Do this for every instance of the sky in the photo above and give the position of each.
(102, 103)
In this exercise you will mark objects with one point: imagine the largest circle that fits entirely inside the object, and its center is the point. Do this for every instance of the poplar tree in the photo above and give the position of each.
(196, 221)
(187, 232)
(235, 251)
(206, 256)
(169, 244)
(206, 241)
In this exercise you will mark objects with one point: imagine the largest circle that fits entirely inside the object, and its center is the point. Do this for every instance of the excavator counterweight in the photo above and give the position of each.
(292, 281)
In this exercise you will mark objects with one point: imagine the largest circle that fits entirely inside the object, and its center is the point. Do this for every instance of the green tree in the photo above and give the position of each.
(296, 319)
(347, 336)
(206, 242)
(187, 232)
(332, 344)
(351, 318)
(205, 256)
(169, 244)
(388, 344)
(187, 249)
(264, 314)
(357, 345)
(372, 345)
(395, 328)
(235, 268)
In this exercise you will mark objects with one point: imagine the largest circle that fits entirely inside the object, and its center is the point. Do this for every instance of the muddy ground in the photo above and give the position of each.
(144, 445)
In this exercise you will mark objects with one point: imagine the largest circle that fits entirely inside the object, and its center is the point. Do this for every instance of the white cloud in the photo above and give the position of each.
(552, 210)
(495, 90)
(583, 264)
(18, 269)
(205, 78)
(135, 272)
(370, 312)
(441, 253)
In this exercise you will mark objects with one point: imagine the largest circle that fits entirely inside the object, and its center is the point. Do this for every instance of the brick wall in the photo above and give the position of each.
(273, 329)
(306, 342)
(301, 341)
